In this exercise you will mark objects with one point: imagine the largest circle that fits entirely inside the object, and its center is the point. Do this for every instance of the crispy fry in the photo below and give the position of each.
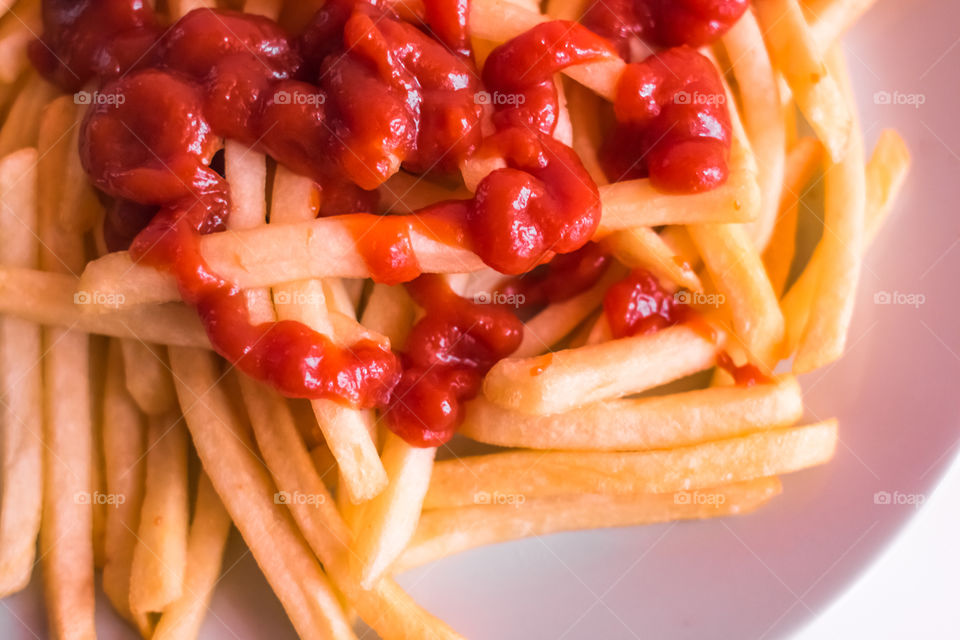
(388, 522)
(182, 618)
(22, 124)
(803, 160)
(159, 559)
(836, 260)
(386, 608)
(251, 499)
(885, 174)
(536, 474)
(444, 532)
(644, 248)
(21, 383)
(657, 422)
(564, 380)
(794, 53)
(124, 439)
(148, 377)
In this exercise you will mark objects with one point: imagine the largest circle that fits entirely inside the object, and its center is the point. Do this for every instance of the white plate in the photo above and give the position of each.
(762, 575)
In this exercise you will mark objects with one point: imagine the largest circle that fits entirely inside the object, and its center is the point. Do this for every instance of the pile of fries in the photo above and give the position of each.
(111, 394)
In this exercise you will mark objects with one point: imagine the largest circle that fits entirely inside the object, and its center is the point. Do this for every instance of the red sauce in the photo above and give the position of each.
(672, 124)
(638, 305)
(447, 354)
(562, 278)
(665, 22)
(358, 94)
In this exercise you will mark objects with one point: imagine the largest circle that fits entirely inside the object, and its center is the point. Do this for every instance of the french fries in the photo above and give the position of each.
(563, 380)
(148, 376)
(182, 618)
(656, 422)
(21, 383)
(536, 474)
(444, 532)
(159, 560)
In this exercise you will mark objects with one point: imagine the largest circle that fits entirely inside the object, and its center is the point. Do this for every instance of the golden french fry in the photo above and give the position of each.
(385, 607)
(836, 260)
(251, 499)
(535, 474)
(22, 123)
(387, 522)
(795, 54)
(160, 557)
(148, 376)
(830, 19)
(644, 248)
(182, 618)
(16, 32)
(802, 161)
(444, 532)
(563, 380)
(21, 383)
(737, 271)
(52, 299)
(762, 117)
(405, 193)
(390, 313)
(885, 174)
(656, 422)
(124, 440)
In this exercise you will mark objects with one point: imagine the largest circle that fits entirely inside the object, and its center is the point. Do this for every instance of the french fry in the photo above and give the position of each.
(21, 383)
(737, 271)
(534, 474)
(390, 313)
(124, 441)
(885, 174)
(159, 559)
(563, 380)
(81, 209)
(22, 123)
(405, 193)
(444, 532)
(16, 32)
(251, 499)
(182, 618)
(66, 531)
(794, 53)
(830, 19)
(657, 422)
(269, 8)
(836, 260)
(179, 8)
(385, 607)
(802, 162)
(557, 320)
(52, 299)
(148, 377)
(644, 248)
(388, 521)
(762, 117)
(347, 431)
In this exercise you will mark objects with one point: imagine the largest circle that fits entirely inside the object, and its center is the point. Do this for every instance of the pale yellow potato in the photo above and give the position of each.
(160, 557)
(444, 532)
(148, 376)
(563, 380)
(524, 475)
(656, 422)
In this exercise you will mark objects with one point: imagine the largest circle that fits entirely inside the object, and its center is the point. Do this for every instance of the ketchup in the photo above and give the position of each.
(665, 22)
(447, 354)
(564, 277)
(347, 102)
